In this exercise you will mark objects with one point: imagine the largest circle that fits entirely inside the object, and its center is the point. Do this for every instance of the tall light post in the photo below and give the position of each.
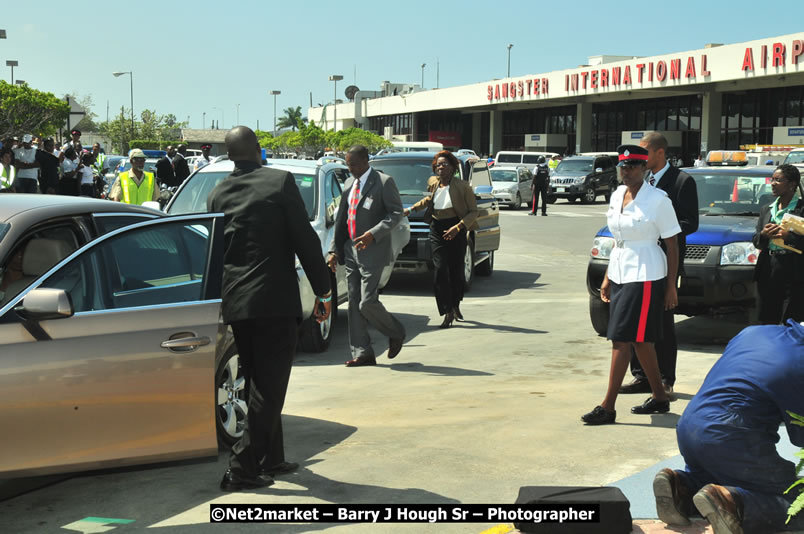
(274, 92)
(2, 34)
(131, 76)
(510, 46)
(12, 64)
(223, 118)
(238, 114)
(203, 120)
(335, 78)
(423, 65)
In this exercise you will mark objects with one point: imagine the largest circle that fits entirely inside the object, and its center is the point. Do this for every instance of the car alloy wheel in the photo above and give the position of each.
(589, 196)
(231, 406)
(518, 201)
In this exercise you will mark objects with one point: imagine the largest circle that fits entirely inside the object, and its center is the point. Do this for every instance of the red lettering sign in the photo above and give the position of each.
(497, 91)
(545, 86)
(574, 82)
(650, 71)
(690, 72)
(615, 75)
(661, 71)
(704, 71)
(639, 67)
(604, 77)
(491, 92)
(778, 54)
(505, 90)
(513, 89)
(520, 88)
(675, 69)
(763, 61)
(536, 86)
(748, 60)
(798, 49)
(530, 86)
(627, 75)
(584, 75)
(593, 79)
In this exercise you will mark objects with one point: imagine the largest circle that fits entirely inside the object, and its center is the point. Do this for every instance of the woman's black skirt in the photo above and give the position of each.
(635, 312)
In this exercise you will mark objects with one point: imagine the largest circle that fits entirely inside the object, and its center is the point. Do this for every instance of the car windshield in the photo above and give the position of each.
(503, 175)
(192, 198)
(410, 176)
(795, 157)
(575, 165)
(733, 193)
(150, 165)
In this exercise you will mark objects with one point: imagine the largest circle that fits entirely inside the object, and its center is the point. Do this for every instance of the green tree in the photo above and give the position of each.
(265, 139)
(343, 140)
(89, 123)
(292, 119)
(27, 110)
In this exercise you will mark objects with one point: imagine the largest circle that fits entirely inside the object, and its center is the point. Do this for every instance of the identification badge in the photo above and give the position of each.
(367, 203)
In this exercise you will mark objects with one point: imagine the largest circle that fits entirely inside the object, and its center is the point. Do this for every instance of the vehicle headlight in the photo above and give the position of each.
(601, 247)
(580, 180)
(744, 253)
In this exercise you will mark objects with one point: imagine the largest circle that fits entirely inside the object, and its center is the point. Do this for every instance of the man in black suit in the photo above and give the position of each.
(180, 166)
(681, 189)
(539, 186)
(261, 297)
(369, 211)
(164, 169)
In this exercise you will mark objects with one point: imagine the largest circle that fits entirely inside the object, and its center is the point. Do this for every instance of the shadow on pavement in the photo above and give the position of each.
(435, 370)
(499, 284)
(498, 327)
(665, 420)
(154, 493)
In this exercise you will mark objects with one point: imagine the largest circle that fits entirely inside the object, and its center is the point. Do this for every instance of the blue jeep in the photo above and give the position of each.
(720, 257)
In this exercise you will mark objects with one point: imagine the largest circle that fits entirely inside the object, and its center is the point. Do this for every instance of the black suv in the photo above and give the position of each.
(583, 177)
(410, 171)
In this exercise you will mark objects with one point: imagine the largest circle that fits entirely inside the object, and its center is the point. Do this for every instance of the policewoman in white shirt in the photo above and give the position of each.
(635, 285)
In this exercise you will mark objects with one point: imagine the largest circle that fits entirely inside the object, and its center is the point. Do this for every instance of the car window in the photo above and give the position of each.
(148, 266)
(530, 158)
(795, 157)
(193, 196)
(504, 175)
(307, 187)
(509, 158)
(480, 175)
(410, 176)
(107, 223)
(732, 194)
(576, 165)
(33, 256)
(332, 192)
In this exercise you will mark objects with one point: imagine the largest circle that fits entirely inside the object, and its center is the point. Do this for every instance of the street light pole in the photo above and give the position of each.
(510, 46)
(131, 77)
(203, 120)
(335, 78)
(274, 92)
(238, 114)
(423, 65)
(12, 64)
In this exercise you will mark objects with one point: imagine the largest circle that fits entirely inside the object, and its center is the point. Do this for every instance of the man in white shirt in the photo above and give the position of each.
(205, 158)
(27, 167)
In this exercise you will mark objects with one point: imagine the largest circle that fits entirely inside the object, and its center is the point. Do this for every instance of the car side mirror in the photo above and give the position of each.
(599, 170)
(43, 304)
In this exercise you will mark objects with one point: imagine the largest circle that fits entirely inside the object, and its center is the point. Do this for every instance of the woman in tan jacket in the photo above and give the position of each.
(451, 210)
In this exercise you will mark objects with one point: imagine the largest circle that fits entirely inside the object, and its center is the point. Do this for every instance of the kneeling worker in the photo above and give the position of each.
(728, 434)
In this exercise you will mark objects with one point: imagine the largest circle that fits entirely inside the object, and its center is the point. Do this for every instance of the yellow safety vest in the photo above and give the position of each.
(553, 163)
(7, 176)
(137, 194)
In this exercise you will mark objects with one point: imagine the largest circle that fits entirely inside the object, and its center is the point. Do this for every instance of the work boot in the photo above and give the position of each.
(672, 498)
(720, 508)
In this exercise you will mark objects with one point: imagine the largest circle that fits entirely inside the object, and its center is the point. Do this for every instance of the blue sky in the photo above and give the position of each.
(194, 57)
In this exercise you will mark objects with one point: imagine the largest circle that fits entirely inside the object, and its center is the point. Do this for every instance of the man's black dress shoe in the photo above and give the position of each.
(279, 469)
(359, 362)
(394, 347)
(532, 213)
(599, 416)
(637, 385)
(652, 406)
(237, 480)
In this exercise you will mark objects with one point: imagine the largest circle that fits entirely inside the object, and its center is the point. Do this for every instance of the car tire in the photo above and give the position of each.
(571, 199)
(589, 196)
(599, 314)
(231, 409)
(487, 267)
(518, 202)
(468, 265)
(315, 336)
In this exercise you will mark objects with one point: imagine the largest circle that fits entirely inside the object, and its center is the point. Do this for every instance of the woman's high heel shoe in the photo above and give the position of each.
(448, 318)
(458, 315)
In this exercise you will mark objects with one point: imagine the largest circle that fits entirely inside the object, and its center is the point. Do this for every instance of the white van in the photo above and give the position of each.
(412, 146)
(507, 158)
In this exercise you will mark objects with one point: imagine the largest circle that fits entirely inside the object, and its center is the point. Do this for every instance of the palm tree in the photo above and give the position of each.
(291, 118)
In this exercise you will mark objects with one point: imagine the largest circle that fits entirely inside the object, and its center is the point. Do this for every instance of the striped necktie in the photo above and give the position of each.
(652, 180)
(354, 199)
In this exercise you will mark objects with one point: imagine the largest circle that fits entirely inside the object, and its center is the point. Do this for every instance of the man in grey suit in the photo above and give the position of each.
(369, 211)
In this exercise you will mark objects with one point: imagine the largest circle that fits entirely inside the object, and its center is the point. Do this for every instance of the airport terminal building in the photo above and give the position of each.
(717, 97)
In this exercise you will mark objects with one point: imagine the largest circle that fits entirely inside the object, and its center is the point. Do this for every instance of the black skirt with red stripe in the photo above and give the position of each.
(635, 312)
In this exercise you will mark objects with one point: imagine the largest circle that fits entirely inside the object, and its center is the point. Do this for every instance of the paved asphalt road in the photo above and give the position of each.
(465, 415)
